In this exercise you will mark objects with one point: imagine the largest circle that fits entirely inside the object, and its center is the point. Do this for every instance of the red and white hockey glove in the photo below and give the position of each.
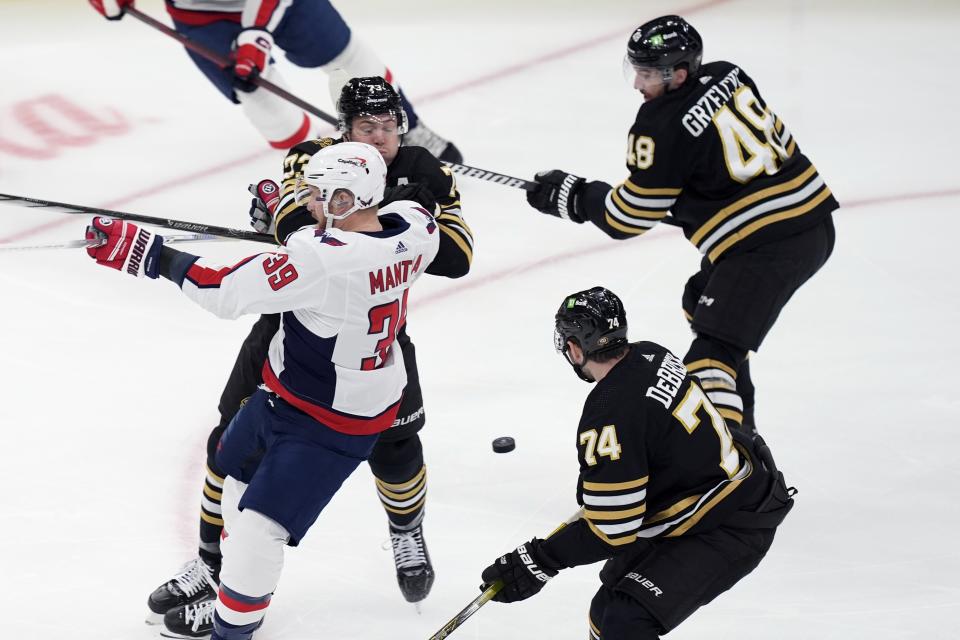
(263, 207)
(111, 9)
(251, 56)
(125, 247)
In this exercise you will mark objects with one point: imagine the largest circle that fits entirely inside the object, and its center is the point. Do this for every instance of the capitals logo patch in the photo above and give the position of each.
(328, 239)
(431, 224)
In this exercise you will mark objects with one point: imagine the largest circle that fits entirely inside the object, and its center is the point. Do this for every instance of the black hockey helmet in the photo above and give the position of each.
(371, 96)
(593, 319)
(666, 43)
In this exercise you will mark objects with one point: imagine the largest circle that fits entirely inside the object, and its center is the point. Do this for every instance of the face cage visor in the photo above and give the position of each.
(301, 190)
(390, 121)
(640, 76)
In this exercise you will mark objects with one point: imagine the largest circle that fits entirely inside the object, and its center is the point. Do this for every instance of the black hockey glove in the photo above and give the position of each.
(558, 194)
(416, 192)
(524, 571)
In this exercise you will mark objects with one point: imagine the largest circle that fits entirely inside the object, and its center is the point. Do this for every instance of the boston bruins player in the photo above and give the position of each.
(682, 508)
(369, 111)
(706, 148)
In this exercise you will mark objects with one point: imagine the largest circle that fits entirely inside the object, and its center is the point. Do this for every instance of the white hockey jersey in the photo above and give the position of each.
(343, 298)
(265, 14)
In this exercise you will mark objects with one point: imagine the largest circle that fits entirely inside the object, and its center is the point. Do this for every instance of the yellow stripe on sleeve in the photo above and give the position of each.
(616, 486)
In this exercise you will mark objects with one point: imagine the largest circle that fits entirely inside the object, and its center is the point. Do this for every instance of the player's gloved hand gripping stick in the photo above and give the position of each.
(489, 592)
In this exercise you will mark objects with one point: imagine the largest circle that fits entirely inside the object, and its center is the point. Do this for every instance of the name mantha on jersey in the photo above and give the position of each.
(343, 298)
(722, 162)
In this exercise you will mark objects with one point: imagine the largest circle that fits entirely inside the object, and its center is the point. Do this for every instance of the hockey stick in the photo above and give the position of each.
(225, 63)
(490, 591)
(167, 223)
(86, 244)
(468, 611)
(511, 181)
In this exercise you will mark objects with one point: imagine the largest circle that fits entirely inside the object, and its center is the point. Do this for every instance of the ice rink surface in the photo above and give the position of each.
(110, 385)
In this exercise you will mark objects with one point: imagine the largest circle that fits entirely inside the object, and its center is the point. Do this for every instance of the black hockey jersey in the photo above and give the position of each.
(656, 460)
(714, 155)
(411, 165)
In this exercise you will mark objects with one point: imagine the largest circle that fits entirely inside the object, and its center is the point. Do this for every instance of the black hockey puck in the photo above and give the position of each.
(504, 444)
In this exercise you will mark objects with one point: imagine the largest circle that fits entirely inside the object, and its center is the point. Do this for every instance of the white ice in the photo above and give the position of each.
(110, 385)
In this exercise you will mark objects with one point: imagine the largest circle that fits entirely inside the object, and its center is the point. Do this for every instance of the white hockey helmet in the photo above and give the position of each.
(353, 166)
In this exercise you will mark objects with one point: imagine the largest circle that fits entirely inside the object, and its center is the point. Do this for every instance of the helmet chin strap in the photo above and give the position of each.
(577, 368)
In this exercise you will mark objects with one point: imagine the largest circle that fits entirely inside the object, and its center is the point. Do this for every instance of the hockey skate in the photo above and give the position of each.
(194, 620)
(423, 136)
(195, 581)
(414, 571)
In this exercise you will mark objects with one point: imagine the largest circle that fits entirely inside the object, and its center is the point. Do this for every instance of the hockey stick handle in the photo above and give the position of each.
(468, 611)
(87, 244)
(511, 181)
(490, 591)
(225, 63)
(166, 223)
(491, 176)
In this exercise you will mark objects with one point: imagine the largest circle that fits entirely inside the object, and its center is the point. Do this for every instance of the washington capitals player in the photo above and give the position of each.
(370, 111)
(332, 379)
(708, 149)
(310, 32)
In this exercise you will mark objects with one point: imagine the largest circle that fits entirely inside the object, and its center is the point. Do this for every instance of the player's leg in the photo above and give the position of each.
(620, 616)
(303, 465)
(197, 580)
(400, 476)
(676, 578)
(282, 124)
(401, 481)
(713, 361)
(313, 34)
(733, 305)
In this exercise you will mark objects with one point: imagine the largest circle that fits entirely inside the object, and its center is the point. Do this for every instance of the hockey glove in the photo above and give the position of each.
(416, 192)
(124, 246)
(111, 9)
(524, 571)
(263, 207)
(251, 56)
(558, 194)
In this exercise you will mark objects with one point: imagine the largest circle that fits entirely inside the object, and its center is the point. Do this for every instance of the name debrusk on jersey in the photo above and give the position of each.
(714, 155)
(343, 298)
(646, 414)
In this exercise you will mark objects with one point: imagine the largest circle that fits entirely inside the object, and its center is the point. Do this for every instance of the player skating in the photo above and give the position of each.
(369, 111)
(706, 148)
(311, 33)
(332, 380)
(679, 507)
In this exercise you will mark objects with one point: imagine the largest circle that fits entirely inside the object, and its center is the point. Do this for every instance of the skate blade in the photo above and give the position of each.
(154, 618)
(166, 633)
(416, 605)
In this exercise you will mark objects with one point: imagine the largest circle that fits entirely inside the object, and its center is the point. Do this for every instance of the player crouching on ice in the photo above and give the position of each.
(681, 508)
(332, 381)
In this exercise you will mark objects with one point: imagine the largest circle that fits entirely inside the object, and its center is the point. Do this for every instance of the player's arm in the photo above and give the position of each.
(436, 190)
(262, 283)
(628, 209)
(290, 215)
(612, 488)
(456, 239)
(291, 278)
